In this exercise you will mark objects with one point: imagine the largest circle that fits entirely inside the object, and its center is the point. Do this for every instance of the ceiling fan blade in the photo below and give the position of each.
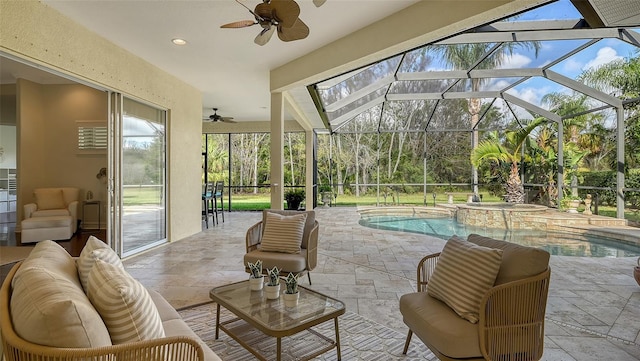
(238, 24)
(298, 31)
(264, 36)
(227, 120)
(263, 12)
(319, 3)
(286, 12)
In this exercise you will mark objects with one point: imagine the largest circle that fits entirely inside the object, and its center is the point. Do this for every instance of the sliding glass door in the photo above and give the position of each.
(138, 162)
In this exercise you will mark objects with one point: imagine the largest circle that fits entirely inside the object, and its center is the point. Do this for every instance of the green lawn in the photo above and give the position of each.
(251, 202)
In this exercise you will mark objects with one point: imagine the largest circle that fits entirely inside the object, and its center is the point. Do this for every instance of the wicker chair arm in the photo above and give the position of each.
(178, 348)
(312, 247)
(511, 324)
(426, 266)
(254, 237)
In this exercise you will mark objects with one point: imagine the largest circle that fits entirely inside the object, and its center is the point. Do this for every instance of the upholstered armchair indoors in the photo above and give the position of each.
(286, 239)
(480, 299)
(53, 215)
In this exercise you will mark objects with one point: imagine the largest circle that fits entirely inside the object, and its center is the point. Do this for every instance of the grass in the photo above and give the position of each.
(257, 202)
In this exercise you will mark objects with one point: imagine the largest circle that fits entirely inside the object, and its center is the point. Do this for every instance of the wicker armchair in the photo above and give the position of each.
(510, 326)
(299, 263)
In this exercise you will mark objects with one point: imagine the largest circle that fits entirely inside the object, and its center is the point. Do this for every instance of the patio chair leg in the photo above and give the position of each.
(406, 343)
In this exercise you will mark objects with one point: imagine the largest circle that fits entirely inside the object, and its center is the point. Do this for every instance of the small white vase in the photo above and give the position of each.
(273, 292)
(291, 299)
(256, 284)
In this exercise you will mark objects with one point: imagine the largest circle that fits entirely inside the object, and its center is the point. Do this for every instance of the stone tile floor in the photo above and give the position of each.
(593, 309)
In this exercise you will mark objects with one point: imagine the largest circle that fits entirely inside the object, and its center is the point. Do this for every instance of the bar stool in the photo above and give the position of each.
(218, 194)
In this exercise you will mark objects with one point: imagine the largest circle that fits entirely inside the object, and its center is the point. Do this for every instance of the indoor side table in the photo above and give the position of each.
(85, 204)
(273, 319)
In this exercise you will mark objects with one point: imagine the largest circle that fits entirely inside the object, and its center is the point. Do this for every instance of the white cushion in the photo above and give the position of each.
(93, 250)
(49, 198)
(463, 275)
(124, 304)
(283, 233)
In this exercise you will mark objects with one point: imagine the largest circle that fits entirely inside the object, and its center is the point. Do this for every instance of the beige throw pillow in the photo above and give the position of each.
(93, 250)
(49, 198)
(283, 233)
(463, 275)
(124, 304)
(49, 309)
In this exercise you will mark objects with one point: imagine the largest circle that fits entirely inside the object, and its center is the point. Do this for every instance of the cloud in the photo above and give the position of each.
(572, 65)
(515, 61)
(604, 56)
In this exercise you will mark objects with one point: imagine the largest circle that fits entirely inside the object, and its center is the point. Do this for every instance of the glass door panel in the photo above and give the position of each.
(143, 173)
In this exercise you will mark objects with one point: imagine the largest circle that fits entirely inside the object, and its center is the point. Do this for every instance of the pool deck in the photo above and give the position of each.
(593, 309)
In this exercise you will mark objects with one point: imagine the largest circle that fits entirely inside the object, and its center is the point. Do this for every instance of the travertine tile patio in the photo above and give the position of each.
(593, 310)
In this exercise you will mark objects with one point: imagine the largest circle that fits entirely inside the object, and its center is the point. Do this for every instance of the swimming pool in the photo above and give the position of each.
(556, 243)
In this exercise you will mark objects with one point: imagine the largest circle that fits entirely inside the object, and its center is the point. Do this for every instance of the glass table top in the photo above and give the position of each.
(272, 314)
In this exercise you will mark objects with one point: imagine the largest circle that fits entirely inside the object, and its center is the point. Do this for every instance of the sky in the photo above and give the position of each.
(600, 53)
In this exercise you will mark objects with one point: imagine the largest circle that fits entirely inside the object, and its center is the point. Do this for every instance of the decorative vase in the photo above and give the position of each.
(273, 292)
(256, 284)
(636, 272)
(291, 299)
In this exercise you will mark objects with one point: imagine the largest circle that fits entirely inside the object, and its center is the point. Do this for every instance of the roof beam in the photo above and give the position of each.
(447, 95)
(539, 35)
(351, 114)
(360, 93)
(532, 107)
(579, 87)
(630, 37)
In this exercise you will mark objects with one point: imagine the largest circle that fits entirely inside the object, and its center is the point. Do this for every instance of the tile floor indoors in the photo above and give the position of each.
(593, 309)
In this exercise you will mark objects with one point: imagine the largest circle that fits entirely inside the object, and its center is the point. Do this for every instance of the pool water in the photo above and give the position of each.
(556, 243)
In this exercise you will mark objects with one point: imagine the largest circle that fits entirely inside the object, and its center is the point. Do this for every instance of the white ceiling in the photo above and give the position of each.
(231, 71)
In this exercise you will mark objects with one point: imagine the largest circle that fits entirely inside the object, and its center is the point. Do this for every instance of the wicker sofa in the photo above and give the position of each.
(47, 314)
(508, 320)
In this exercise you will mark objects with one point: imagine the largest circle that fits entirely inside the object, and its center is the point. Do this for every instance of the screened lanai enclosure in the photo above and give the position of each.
(534, 108)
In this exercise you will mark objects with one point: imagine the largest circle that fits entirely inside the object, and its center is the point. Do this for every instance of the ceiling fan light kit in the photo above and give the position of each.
(281, 16)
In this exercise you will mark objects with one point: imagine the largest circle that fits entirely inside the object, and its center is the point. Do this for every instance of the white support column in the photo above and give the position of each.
(277, 157)
(308, 155)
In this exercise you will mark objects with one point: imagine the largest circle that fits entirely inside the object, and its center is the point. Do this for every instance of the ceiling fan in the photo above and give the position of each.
(217, 118)
(275, 15)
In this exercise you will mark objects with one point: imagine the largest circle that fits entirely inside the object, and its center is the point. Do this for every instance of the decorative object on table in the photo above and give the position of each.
(89, 195)
(273, 283)
(291, 294)
(636, 272)
(256, 280)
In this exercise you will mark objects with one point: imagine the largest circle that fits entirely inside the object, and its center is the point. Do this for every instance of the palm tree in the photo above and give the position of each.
(621, 78)
(464, 57)
(574, 127)
(507, 152)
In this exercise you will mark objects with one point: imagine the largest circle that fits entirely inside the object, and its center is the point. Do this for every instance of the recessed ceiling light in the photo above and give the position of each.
(178, 41)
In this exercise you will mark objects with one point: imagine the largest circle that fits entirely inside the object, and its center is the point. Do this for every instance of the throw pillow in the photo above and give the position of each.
(283, 233)
(463, 275)
(94, 250)
(49, 309)
(54, 258)
(124, 304)
(49, 198)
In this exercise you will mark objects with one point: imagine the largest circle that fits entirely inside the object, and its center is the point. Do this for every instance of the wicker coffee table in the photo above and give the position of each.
(273, 319)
